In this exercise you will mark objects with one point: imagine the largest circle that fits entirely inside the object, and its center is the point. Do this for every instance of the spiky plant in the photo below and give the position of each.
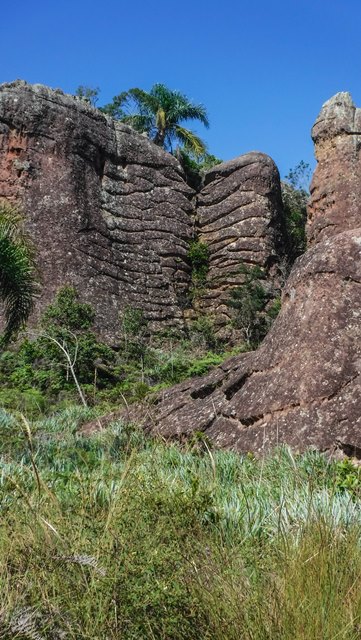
(17, 271)
(160, 113)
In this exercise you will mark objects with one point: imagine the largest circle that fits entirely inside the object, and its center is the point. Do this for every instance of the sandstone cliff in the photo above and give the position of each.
(111, 213)
(108, 211)
(336, 185)
(303, 385)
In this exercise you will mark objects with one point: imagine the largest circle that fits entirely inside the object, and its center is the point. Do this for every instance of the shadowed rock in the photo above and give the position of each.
(109, 212)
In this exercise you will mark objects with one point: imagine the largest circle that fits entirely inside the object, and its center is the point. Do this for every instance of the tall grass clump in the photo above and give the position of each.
(122, 536)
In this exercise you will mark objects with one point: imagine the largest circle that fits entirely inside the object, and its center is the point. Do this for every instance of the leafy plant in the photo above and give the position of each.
(295, 195)
(38, 364)
(198, 255)
(249, 303)
(255, 306)
(17, 272)
(195, 167)
(348, 477)
(134, 333)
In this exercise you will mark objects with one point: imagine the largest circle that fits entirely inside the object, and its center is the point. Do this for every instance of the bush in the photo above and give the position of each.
(254, 309)
(39, 366)
(295, 195)
(198, 255)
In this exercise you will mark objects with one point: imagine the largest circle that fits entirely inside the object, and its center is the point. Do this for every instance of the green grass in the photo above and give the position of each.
(119, 536)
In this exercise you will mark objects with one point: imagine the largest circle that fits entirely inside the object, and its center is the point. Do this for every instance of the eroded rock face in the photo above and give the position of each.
(336, 186)
(111, 214)
(302, 386)
(239, 218)
(108, 211)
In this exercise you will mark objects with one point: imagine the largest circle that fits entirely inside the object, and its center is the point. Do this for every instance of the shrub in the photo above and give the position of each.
(295, 195)
(198, 255)
(249, 302)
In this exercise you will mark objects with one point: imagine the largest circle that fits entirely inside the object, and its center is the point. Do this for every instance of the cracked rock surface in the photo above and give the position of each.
(302, 387)
(239, 218)
(111, 214)
(108, 211)
(336, 185)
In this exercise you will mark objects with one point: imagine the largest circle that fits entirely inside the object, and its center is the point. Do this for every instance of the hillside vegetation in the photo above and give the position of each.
(119, 536)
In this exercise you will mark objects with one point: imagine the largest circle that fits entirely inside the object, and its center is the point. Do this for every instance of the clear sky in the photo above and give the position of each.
(262, 68)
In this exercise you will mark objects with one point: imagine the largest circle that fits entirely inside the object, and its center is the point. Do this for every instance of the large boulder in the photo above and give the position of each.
(109, 212)
(240, 219)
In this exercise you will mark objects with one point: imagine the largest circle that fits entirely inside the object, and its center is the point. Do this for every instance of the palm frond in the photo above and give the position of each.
(183, 109)
(190, 141)
(17, 272)
(146, 102)
(195, 112)
(139, 122)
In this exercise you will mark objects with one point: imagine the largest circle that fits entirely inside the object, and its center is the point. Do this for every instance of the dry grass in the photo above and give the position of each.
(121, 537)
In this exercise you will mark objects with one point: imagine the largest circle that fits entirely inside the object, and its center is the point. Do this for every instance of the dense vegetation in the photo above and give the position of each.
(119, 536)
(64, 358)
(295, 193)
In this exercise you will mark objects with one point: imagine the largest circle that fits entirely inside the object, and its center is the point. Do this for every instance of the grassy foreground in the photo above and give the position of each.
(118, 536)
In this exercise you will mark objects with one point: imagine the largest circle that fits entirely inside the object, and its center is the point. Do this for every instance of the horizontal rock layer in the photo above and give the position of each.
(108, 211)
(111, 214)
(302, 386)
(239, 217)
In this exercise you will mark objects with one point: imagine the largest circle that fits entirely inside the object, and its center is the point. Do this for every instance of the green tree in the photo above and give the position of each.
(160, 113)
(17, 272)
(88, 94)
(295, 194)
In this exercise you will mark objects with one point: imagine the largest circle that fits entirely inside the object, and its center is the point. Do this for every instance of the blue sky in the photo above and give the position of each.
(262, 68)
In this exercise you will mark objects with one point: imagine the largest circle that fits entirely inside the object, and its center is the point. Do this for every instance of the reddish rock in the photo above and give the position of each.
(302, 386)
(336, 185)
(108, 211)
(239, 217)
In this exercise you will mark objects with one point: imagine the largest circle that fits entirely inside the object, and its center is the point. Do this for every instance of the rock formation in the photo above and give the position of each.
(107, 210)
(303, 385)
(239, 218)
(111, 214)
(336, 185)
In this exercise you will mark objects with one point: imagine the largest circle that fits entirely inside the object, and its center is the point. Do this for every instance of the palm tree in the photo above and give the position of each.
(17, 272)
(159, 113)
